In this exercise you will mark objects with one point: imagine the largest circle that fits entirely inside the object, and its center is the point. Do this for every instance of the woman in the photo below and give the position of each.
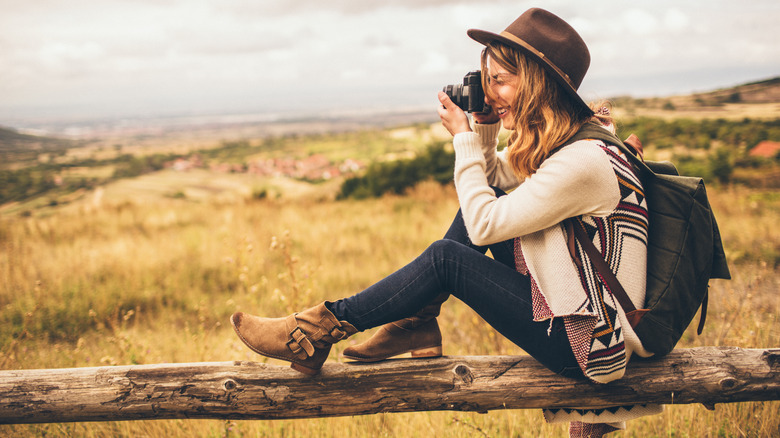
(530, 290)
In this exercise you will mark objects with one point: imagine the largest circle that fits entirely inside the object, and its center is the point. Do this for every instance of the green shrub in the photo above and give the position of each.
(435, 163)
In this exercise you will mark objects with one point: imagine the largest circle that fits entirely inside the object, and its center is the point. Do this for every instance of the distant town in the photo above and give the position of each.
(313, 168)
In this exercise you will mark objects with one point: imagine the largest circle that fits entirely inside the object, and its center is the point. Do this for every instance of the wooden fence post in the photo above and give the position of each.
(249, 390)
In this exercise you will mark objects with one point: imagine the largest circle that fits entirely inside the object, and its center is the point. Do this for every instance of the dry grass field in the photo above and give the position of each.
(147, 270)
(128, 279)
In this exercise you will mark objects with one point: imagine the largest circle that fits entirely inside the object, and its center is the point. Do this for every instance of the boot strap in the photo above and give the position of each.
(298, 342)
(333, 329)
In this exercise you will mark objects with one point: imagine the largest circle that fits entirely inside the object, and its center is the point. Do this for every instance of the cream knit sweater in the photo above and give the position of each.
(577, 180)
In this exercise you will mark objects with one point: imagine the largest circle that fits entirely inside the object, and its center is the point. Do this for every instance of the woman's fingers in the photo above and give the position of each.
(452, 117)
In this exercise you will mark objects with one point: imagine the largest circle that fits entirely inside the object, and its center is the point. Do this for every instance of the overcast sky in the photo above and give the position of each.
(130, 58)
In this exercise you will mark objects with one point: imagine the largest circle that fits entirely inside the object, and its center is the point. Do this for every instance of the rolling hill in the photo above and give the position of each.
(17, 148)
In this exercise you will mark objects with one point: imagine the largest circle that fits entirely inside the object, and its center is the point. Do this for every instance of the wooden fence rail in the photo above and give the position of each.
(249, 390)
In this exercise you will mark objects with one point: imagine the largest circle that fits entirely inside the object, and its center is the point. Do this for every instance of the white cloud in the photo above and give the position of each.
(65, 56)
(169, 55)
(435, 62)
(675, 20)
(639, 22)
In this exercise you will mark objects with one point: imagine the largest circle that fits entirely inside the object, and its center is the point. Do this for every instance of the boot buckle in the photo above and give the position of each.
(334, 330)
(299, 342)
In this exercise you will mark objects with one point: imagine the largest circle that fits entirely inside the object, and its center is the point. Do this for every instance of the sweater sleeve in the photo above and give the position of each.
(497, 169)
(576, 180)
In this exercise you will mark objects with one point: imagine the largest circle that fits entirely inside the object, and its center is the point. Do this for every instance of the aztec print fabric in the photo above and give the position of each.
(595, 332)
(615, 416)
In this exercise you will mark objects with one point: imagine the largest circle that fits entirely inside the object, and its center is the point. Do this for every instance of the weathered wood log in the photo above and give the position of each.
(249, 390)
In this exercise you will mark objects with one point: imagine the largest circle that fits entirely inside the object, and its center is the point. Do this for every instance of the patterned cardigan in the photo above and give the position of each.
(594, 329)
(591, 182)
(597, 341)
(579, 180)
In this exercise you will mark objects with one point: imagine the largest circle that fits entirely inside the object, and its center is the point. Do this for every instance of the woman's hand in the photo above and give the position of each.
(487, 118)
(452, 117)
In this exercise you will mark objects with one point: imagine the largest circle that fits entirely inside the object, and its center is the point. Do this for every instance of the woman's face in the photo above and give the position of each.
(503, 88)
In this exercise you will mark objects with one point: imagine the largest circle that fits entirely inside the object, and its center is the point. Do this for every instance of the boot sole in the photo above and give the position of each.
(417, 353)
(304, 370)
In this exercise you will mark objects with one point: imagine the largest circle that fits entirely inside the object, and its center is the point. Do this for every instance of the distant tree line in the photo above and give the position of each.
(28, 182)
(700, 134)
(129, 166)
(41, 178)
(732, 138)
(24, 183)
(735, 138)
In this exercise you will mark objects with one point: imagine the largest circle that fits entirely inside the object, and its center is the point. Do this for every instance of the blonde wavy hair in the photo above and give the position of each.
(544, 115)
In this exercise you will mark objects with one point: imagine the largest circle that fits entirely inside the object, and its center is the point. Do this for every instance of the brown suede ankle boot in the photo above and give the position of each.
(419, 335)
(302, 338)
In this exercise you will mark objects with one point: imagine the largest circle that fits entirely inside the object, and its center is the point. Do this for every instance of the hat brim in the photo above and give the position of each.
(485, 38)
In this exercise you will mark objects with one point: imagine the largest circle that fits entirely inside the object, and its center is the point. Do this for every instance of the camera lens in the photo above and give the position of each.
(455, 92)
(468, 96)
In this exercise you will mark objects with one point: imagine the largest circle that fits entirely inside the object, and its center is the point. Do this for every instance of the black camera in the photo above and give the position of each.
(469, 97)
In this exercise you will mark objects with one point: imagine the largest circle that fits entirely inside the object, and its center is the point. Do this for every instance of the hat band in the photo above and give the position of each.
(541, 56)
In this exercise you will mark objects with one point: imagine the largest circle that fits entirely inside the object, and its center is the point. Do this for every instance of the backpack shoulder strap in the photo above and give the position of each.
(632, 147)
(575, 231)
(573, 228)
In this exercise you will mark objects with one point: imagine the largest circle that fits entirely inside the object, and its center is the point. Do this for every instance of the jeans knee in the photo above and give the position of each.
(442, 247)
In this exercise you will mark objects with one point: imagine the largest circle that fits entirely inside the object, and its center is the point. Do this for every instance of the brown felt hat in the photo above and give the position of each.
(549, 40)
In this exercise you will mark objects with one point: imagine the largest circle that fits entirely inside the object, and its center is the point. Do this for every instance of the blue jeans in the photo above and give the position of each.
(490, 286)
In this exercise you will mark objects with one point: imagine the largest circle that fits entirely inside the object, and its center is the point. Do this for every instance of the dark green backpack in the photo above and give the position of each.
(684, 249)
